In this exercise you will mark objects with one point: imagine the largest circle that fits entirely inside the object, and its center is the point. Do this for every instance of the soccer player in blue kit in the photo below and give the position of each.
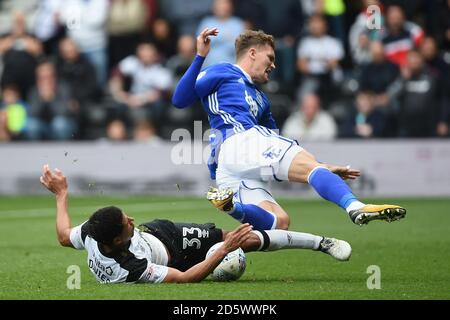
(246, 150)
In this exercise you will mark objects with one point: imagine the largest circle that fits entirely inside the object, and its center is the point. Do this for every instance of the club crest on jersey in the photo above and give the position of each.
(201, 75)
(252, 104)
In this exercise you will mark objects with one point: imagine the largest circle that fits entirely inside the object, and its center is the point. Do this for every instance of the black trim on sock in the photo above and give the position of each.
(266, 240)
(320, 248)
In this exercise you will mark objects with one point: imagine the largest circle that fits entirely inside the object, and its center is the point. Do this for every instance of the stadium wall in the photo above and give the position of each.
(394, 168)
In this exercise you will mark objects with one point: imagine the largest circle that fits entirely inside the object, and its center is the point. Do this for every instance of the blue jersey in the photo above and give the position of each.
(233, 103)
(229, 96)
(231, 99)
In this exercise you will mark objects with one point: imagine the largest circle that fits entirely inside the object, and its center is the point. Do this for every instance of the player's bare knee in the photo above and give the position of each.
(283, 222)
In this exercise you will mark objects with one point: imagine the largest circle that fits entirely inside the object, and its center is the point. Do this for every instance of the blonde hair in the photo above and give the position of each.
(251, 38)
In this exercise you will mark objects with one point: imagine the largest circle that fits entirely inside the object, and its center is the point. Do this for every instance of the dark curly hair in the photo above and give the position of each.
(105, 224)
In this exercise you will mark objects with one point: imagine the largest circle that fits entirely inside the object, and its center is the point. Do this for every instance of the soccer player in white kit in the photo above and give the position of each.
(247, 152)
(163, 251)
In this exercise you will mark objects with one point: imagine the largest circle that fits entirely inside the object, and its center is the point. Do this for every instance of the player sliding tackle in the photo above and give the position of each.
(246, 151)
(155, 251)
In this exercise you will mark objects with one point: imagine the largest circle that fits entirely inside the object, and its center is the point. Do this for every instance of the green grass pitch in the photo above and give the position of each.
(413, 254)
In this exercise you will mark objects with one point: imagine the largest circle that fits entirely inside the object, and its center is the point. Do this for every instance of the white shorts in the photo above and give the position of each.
(255, 157)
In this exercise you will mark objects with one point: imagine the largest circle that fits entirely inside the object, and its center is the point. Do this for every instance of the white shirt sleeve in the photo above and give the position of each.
(164, 79)
(154, 273)
(76, 237)
(129, 65)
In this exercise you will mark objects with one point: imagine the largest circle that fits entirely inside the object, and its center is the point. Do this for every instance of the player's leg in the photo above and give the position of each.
(283, 220)
(273, 240)
(244, 166)
(252, 203)
(304, 168)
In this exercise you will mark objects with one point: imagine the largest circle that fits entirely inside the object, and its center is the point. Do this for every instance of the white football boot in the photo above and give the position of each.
(338, 249)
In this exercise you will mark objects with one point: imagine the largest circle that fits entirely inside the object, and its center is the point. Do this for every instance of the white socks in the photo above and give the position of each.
(272, 240)
(355, 205)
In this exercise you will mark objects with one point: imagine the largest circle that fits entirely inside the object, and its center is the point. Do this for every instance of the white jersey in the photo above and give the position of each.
(145, 260)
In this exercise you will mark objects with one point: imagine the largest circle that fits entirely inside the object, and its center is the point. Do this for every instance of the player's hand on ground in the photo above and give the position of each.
(237, 237)
(204, 41)
(55, 181)
(346, 173)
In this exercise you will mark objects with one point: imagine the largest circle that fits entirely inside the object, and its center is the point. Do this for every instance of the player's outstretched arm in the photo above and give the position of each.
(56, 182)
(184, 94)
(200, 271)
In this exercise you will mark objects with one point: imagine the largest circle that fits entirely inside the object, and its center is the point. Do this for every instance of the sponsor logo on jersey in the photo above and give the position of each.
(102, 272)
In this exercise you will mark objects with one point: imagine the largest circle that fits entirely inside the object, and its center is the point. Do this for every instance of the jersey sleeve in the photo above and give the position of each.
(153, 273)
(78, 236)
(184, 94)
(209, 80)
(128, 66)
(139, 270)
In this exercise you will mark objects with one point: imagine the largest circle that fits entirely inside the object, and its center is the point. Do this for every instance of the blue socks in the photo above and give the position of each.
(259, 218)
(331, 187)
(327, 184)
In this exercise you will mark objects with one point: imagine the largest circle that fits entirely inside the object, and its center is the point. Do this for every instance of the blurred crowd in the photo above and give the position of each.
(105, 69)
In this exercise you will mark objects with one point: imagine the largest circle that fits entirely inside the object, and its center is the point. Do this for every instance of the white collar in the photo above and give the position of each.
(245, 73)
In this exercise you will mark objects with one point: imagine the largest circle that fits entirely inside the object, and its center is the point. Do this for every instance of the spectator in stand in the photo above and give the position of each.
(4, 133)
(78, 73)
(75, 70)
(417, 99)
(116, 130)
(180, 62)
(14, 114)
(400, 36)
(364, 120)
(310, 123)
(53, 115)
(440, 70)
(164, 38)
(185, 14)
(86, 25)
(222, 46)
(360, 36)
(438, 67)
(145, 132)
(444, 26)
(378, 75)
(334, 11)
(149, 84)
(47, 26)
(20, 52)
(253, 13)
(285, 24)
(318, 57)
(126, 22)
